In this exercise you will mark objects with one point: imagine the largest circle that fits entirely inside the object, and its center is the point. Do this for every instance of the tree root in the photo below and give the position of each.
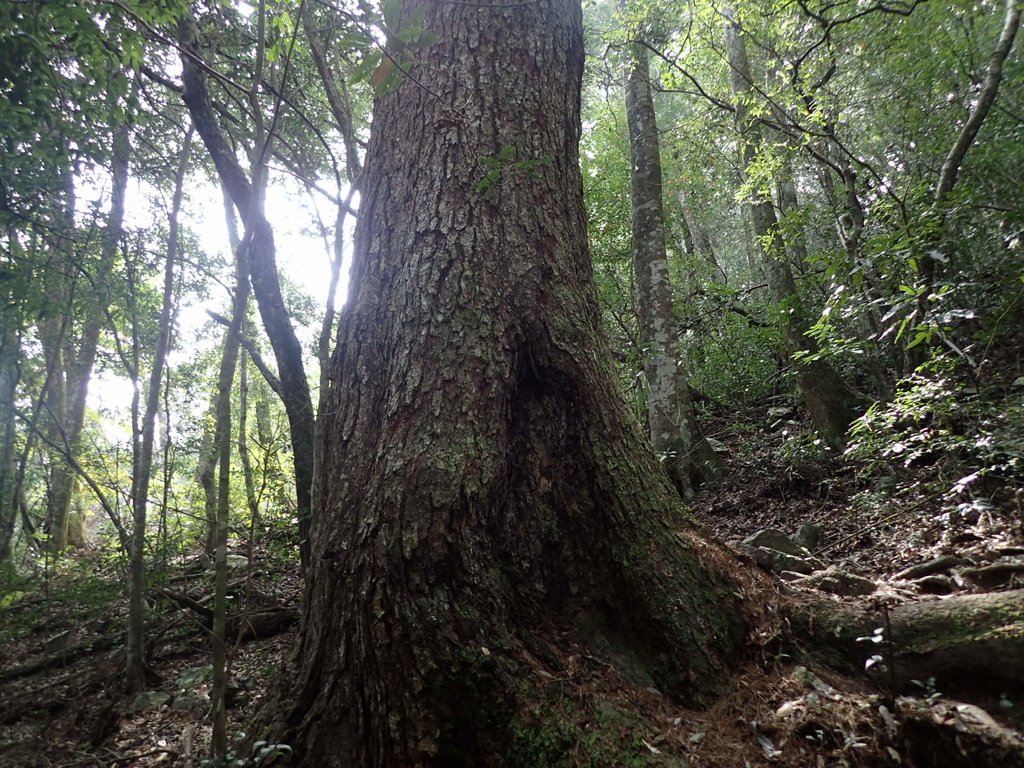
(971, 645)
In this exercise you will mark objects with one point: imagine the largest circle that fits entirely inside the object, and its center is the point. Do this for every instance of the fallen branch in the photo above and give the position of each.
(63, 658)
(247, 625)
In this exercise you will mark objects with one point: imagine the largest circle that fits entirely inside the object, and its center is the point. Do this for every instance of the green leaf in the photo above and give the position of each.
(392, 14)
(366, 67)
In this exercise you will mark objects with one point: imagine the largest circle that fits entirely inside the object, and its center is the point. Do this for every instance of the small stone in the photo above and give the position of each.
(236, 562)
(193, 678)
(807, 536)
(773, 560)
(772, 538)
(717, 446)
(59, 642)
(149, 700)
(804, 675)
(837, 582)
(191, 702)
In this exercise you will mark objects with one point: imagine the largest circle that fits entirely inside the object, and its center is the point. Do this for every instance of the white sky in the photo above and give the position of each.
(302, 257)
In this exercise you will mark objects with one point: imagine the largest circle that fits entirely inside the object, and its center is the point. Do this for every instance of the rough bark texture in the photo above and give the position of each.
(830, 402)
(484, 482)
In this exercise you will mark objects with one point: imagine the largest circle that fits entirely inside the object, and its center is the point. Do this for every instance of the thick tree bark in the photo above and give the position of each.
(485, 484)
(831, 403)
(671, 420)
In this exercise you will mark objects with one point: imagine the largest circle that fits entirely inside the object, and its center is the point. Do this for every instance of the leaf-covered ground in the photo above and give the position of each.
(61, 702)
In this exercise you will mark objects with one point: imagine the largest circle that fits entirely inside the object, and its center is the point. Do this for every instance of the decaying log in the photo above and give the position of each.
(953, 735)
(252, 625)
(972, 645)
(63, 658)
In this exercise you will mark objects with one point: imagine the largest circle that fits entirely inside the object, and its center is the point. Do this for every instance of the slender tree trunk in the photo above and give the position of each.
(9, 377)
(485, 482)
(142, 464)
(12, 324)
(74, 371)
(699, 241)
(206, 476)
(206, 472)
(830, 402)
(789, 205)
(983, 105)
(671, 420)
(54, 333)
(950, 171)
(262, 258)
(698, 237)
(336, 93)
(244, 457)
(222, 443)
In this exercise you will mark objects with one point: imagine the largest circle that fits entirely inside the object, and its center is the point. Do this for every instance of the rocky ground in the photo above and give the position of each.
(823, 525)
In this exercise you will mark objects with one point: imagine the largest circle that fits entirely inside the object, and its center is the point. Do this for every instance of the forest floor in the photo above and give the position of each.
(61, 671)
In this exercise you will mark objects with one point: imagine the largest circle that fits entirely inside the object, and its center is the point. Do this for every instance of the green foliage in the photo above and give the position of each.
(384, 66)
(547, 744)
(563, 737)
(937, 418)
(262, 753)
(733, 360)
(505, 162)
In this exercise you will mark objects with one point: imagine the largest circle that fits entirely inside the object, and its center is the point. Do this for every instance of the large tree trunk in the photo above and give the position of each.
(831, 403)
(485, 485)
(687, 456)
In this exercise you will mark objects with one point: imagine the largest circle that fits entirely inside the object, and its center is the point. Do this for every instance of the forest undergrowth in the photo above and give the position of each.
(900, 527)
